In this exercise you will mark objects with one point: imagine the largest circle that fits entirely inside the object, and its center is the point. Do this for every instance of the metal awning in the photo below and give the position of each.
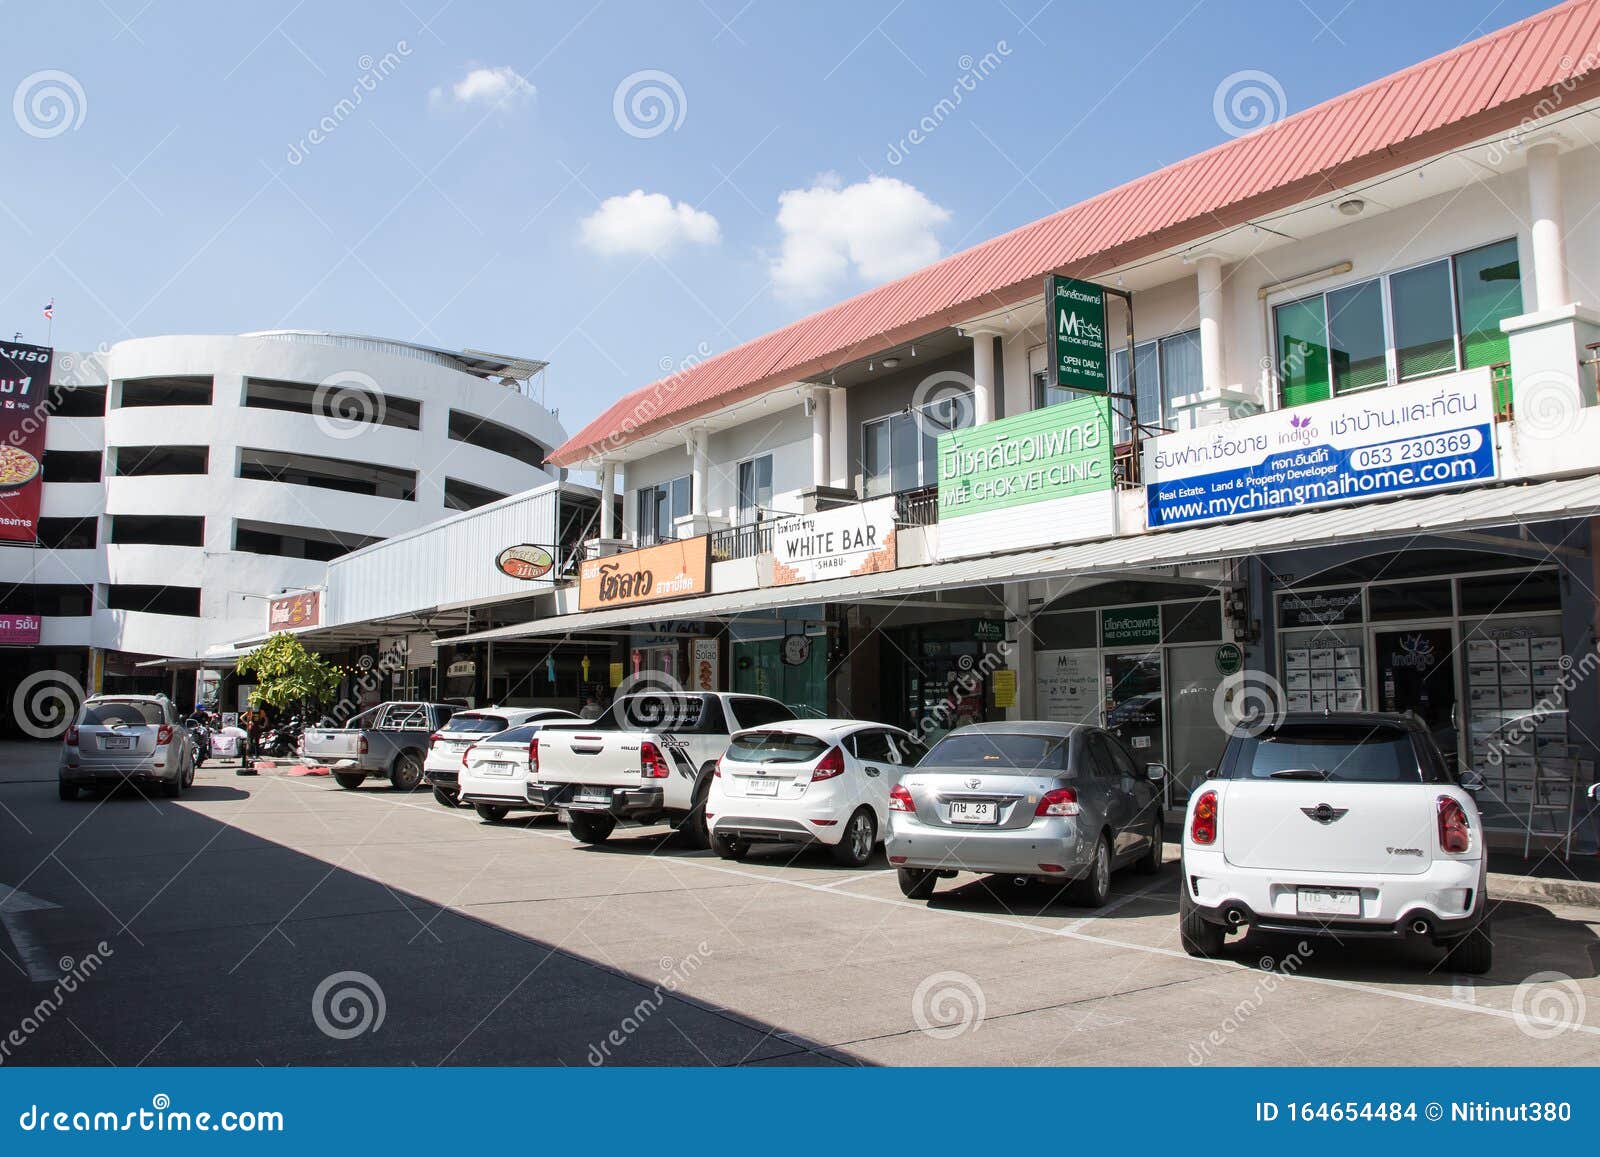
(1477, 508)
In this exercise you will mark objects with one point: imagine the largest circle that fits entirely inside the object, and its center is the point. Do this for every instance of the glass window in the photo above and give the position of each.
(900, 452)
(905, 458)
(1180, 371)
(776, 747)
(755, 488)
(754, 712)
(875, 458)
(660, 507)
(1191, 622)
(1302, 353)
(1331, 752)
(1147, 374)
(1504, 594)
(872, 746)
(471, 723)
(120, 712)
(1000, 752)
(1357, 346)
(1424, 320)
(1425, 600)
(1488, 290)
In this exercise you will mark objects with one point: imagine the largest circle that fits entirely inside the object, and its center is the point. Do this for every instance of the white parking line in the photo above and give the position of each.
(34, 955)
(1064, 932)
(1107, 909)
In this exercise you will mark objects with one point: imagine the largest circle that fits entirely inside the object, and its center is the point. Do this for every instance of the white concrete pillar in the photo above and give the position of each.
(982, 375)
(1549, 226)
(700, 484)
(821, 472)
(840, 457)
(1208, 283)
(608, 504)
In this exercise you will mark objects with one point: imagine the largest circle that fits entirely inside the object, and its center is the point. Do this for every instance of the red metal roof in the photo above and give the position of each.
(1483, 87)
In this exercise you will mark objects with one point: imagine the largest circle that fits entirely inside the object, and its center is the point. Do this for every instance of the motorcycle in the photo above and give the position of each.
(283, 741)
(200, 735)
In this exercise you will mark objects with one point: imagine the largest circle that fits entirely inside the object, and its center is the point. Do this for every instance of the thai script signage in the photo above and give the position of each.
(20, 630)
(849, 540)
(1077, 311)
(1040, 477)
(290, 612)
(668, 571)
(525, 561)
(24, 392)
(1383, 442)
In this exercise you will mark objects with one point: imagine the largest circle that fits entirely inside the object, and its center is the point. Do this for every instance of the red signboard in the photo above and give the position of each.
(19, 630)
(291, 611)
(24, 394)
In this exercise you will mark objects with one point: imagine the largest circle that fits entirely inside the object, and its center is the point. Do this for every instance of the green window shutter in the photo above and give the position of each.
(1357, 345)
(1488, 290)
(1424, 321)
(1302, 335)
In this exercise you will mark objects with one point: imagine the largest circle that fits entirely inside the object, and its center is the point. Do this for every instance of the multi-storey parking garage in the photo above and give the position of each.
(189, 479)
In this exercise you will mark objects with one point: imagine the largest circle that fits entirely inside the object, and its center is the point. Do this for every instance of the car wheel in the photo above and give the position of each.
(917, 883)
(69, 791)
(445, 799)
(860, 837)
(692, 828)
(1473, 953)
(491, 812)
(1198, 936)
(1150, 862)
(174, 789)
(591, 829)
(349, 780)
(1095, 888)
(730, 847)
(407, 773)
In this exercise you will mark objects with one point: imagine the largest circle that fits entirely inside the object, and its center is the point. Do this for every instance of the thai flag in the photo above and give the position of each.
(50, 309)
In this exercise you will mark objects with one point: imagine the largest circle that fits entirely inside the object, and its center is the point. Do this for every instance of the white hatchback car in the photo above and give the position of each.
(808, 781)
(496, 769)
(1342, 824)
(447, 747)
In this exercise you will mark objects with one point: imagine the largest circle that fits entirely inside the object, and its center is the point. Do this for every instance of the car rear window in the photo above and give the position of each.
(473, 724)
(653, 712)
(127, 712)
(776, 747)
(1332, 752)
(999, 752)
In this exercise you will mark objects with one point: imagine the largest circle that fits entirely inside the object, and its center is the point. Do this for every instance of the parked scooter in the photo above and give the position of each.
(283, 741)
(200, 734)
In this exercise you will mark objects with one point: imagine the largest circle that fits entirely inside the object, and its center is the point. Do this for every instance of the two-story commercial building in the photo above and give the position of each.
(1346, 439)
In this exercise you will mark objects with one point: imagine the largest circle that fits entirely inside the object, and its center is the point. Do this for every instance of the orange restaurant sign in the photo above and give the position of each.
(668, 571)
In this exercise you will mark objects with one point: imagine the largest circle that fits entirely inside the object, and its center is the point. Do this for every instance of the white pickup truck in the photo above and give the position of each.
(648, 759)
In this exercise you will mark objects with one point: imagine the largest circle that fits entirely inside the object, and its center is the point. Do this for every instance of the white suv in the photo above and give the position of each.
(1349, 825)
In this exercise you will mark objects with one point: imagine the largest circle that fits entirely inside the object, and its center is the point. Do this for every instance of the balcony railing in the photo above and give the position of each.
(918, 507)
(1500, 375)
(745, 541)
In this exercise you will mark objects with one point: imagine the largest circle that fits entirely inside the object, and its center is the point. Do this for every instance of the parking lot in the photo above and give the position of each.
(280, 920)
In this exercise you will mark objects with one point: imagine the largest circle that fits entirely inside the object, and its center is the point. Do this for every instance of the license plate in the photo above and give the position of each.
(592, 797)
(1329, 901)
(117, 742)
(760, 787)
(498, 768)
(974, 811)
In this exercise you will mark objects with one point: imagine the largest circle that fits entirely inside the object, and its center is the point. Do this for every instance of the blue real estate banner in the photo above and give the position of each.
(1399, 440)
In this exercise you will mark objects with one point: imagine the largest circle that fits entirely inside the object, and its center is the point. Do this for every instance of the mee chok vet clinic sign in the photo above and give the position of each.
(1039, 478)
(1379, 443)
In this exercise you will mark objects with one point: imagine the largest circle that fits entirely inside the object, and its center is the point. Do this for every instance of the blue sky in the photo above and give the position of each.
(481, 191)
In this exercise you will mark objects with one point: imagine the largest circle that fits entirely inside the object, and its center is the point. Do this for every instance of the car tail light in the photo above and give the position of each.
(1203, 829)
(1455, 831)
(432, 739)
(533, 755)
(716, 769)
(829, 765)
(1061, 801)
(1051, 868)
(652, 764)
(471, 747)
(361, 745)
(71, 737)
(900, 799)
(164, 737)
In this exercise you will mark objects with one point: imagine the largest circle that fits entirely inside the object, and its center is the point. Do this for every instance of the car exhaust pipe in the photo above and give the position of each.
(1421, 927)
(1235, 917)
(1020, 881)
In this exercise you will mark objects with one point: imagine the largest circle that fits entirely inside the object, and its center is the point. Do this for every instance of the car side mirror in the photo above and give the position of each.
(1211, 773)
(1156, 772)
(1472, 781)
(1594, 792)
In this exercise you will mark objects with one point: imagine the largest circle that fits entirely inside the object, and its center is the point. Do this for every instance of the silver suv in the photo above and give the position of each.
(117, 738)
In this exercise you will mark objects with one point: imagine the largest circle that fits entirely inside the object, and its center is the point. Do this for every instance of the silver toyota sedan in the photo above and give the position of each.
(1048, 801)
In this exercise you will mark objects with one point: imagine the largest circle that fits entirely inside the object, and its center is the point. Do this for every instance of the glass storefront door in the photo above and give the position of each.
(1135, 705)
(759, 669)
(1416, 672)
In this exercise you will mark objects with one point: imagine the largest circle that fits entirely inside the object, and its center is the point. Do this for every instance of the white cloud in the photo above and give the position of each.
(880, 228)
(646, 223)
(495, 87)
